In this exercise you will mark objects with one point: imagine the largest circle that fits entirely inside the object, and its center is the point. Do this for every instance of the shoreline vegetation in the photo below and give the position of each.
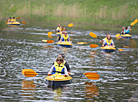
(110, 13)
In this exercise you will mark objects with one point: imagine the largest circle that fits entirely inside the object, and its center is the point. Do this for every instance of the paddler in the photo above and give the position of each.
(58, 68)
(127, 31)
(65, 62)
(108, 41)
(9, 20)
(13, 19)
(123, 28)
(104, 38)
(64, 37)
(59, 28)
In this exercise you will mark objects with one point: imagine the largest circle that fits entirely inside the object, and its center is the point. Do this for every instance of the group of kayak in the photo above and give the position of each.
(64, 39)
(12, 21)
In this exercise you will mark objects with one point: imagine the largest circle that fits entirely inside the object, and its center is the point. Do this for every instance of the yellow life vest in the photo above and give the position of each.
(108, 41)
(58, 28)
(65, 37)
(9, 20)
(13, 20)
(58, 68)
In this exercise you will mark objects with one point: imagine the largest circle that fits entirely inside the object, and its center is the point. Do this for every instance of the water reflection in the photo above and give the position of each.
(58, 93)
(91, 91)
(28, 90)
(47, 46)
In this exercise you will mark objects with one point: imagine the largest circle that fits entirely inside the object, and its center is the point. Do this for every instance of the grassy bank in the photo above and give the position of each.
(98, 12)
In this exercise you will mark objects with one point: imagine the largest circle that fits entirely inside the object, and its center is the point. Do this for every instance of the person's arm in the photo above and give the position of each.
(51, 69)
(113, 43)
(67, 66)
(65, 71)
(104, 41)
(61, 39)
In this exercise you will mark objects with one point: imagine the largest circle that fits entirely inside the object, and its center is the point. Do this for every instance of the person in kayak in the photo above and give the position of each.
(58, 67)
(59, 28)
(108, 41)
(104, 39)
(65, 62)
(123, 28)
(13, 19)
(9, 20)
(127, 31)
(64, 37)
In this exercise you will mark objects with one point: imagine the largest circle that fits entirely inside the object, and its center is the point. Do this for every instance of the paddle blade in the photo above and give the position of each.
(6, 22)
(82, 43)
(50, 41)
(17, 17)
(23, 22)
(49, 33)
(29, 73)
(132, 24)
(126, 46)
(136, 20)
(118, 36)
(70, 25)
(120, 49)
(93, 45)
(92, 75)
(93, 35)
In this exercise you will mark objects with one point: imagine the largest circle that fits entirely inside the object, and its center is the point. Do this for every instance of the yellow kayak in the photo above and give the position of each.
(126, 36)
(56, 80)
(65, 44)
(13, 23)
(108, 49)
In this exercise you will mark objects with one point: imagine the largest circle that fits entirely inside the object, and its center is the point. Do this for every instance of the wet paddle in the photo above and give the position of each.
(93, 45)
(48, 41)
(17, 17)
(89, 75)
(82, 43)
(23, 22)
(93, 35)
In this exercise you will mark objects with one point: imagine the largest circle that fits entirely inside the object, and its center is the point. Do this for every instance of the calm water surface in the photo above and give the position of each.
(22, 47)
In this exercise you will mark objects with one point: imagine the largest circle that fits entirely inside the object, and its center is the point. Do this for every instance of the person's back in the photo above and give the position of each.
(9, 20)
(126, 31)
(13, 20)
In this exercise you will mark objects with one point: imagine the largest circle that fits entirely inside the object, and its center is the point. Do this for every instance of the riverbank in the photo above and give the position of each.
(91, 12)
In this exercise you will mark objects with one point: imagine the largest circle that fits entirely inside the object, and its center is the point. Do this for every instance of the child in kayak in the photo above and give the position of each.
(64, 37)
(58, 68)
(108, 41)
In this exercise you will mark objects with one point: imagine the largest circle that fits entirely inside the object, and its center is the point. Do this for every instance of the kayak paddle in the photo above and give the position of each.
(93, 45)
(89, 75)
(48, 41)
(23, 22)
(93, 35)
(17, 17)
(82, 43)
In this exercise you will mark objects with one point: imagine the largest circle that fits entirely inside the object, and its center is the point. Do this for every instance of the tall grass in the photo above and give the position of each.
(103, 12)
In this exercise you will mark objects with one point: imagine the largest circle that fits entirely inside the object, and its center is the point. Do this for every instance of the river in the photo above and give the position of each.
(21, 47)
